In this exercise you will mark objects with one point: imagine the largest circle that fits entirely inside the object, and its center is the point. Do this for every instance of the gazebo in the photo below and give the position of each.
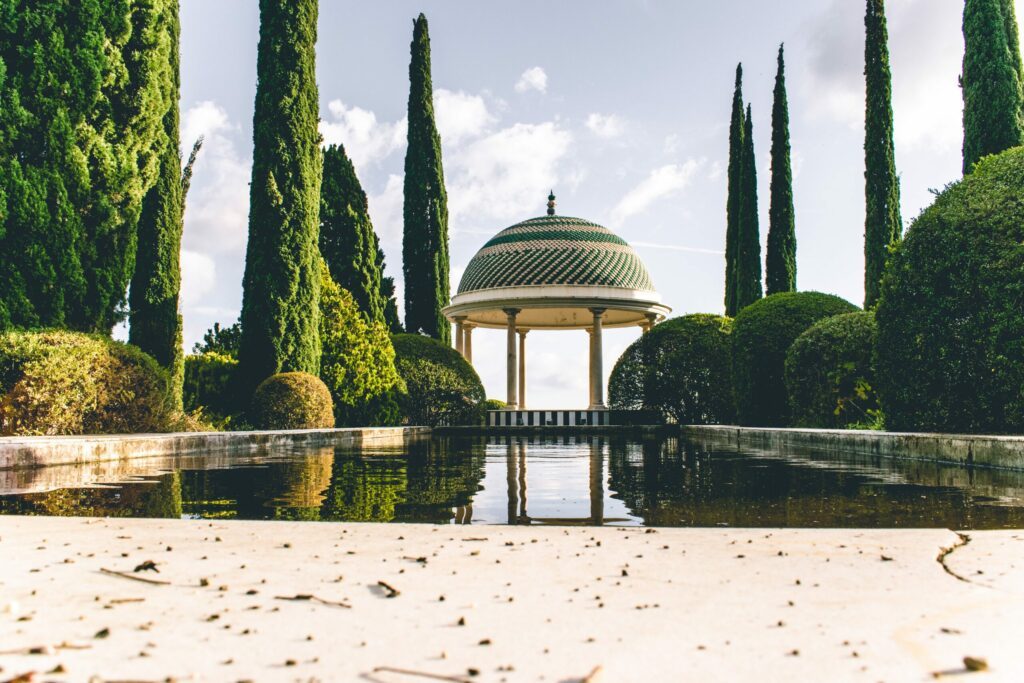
(553, 273)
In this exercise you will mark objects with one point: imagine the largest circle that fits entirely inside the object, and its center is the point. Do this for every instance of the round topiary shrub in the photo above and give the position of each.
(58, 382)
(950, 353)
(829, 378)
(682, 368)
(358, 361)
(292, 400)
(442, 387)
(761, 336)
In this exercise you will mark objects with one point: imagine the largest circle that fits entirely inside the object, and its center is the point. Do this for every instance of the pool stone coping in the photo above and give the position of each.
(1005, 452)
(41, 451)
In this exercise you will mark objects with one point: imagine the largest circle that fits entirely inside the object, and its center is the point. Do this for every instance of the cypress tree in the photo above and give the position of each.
(748, 232)
(84, 91)
(281, 287)
(425, 236)
(347, 241)
(153, 297)
(1013, 37)
(991, 82)
(883, 225)
(735, 180)
(780, 262)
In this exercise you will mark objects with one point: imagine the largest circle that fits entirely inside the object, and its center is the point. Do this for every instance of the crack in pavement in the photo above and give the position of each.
(944, 553)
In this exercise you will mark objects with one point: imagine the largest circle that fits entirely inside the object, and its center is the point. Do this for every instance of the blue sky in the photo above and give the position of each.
(621, 107)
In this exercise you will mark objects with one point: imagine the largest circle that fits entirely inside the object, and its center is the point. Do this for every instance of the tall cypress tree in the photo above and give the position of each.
(347, 240)
(84, 92)
(281, 287)
(425, 236)
(153, 297)
(748, 242)
(735, 183)
(780, 262)
(883, 225)
(1013, 37)
(991, 82)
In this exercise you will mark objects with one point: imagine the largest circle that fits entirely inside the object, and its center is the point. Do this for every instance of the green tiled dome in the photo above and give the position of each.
(556, 250)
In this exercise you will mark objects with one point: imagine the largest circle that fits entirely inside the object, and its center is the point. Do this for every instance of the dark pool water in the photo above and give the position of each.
(555, 480)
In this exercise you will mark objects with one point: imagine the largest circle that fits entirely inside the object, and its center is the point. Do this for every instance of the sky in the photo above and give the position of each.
(622, 108)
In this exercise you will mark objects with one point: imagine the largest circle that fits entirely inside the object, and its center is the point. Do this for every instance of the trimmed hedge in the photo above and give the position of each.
(58, 382)
(950, 353)
(442, 387)
(357, 362)
(209, 386)
(829, 378)
(762, 334)
(682, 368)
(292, 400)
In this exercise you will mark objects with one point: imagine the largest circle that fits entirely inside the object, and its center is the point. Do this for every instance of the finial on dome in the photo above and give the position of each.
(551, 203)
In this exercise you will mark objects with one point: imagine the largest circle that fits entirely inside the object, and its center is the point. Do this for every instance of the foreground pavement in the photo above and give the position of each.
(295, 601)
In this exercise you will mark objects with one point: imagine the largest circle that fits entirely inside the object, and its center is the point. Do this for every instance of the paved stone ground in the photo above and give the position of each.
(269, 601)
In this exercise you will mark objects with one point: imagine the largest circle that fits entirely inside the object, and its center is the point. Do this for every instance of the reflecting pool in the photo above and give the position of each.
(536, 480)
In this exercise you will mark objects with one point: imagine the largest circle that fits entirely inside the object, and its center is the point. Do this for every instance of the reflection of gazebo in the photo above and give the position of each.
(553, 273)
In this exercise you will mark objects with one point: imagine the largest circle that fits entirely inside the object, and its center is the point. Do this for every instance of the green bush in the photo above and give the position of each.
(357, 362)
(950, 353)
(829, 378)
(209, 386)
(762, 334)
(58, 382)
(682, 368)
(292, 400)
(442, 387)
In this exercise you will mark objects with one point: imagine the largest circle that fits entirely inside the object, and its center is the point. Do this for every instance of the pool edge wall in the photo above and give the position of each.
(41, 451)
(961, 449)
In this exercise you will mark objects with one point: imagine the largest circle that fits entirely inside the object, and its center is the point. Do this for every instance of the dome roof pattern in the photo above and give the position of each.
(555, 250)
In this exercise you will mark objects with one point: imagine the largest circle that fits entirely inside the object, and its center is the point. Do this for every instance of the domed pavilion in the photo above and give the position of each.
(553, 273)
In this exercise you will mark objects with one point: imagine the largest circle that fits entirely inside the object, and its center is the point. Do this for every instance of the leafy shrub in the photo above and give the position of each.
(209, 386)
(682, 368)
(828, 373)
(488, 405)
(442, 387)
(357, 362)
(222, 340)
(762, 334)
(292, 400)
(58, 382)
(950, 353)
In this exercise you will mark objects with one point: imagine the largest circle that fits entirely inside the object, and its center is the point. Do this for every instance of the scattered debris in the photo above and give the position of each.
(424, 674)
(147, 566)
(126, 575)
(391, 591)
(302, 597)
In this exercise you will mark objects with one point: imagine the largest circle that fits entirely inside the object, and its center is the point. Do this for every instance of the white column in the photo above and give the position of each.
(512, 369)
(590, 355)
(522, 369)
(467, 341)
(459, 335)
(596, 366)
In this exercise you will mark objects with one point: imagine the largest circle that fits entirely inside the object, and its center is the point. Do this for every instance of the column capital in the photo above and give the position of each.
(522, 331)
(512, 312)
(598, 312)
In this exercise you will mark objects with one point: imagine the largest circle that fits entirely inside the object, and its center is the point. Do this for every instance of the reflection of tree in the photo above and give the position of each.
(442, 474)
(364, 489)
(160, 497)
(672, 484)
(304, 482)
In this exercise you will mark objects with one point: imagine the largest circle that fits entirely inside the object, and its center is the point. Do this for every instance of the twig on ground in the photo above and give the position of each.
(126, 575)
(421, 674)
(303, 597)
(392, 592)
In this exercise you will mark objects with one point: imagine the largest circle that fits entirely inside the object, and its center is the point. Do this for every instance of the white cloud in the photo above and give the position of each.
(534, 78)
(198, 277)
(386, 212)
(605, 126)
(662, 182)
(366, 140)
(505, 173)
(217, 207)
(460, 115)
